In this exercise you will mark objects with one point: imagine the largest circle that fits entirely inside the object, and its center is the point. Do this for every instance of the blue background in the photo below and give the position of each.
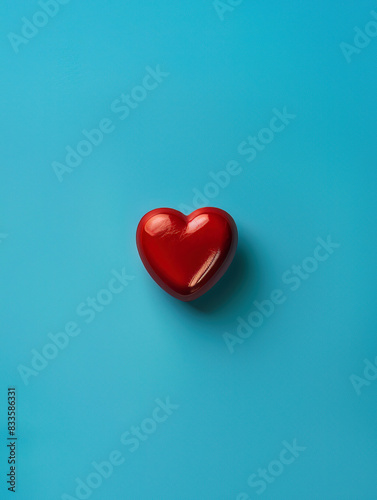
(291, 378)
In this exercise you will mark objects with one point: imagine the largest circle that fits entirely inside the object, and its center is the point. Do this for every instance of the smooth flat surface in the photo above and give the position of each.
(62, 242)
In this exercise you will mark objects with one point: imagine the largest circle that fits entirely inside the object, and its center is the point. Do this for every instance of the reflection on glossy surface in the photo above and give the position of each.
(206, 267)
(158, 225)
(186, 255)
(198, 223)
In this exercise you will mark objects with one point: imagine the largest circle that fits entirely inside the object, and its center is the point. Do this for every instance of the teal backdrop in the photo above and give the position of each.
(266, 387)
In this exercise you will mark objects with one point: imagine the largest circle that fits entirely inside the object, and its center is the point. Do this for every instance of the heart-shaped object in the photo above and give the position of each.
(186, 255)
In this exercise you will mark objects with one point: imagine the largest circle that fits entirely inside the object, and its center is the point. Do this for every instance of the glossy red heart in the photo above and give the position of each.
(186, 255)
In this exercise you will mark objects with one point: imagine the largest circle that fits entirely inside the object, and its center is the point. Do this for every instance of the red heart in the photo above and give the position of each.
(186, 255)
